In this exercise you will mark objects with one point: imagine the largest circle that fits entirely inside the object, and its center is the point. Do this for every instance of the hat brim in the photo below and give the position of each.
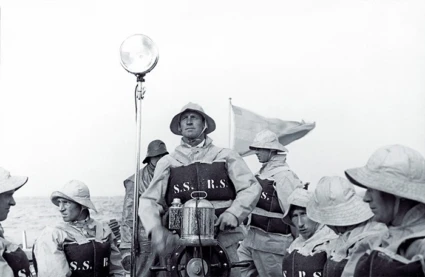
(174, 125)
(353, 212)
(147, 158)
(13, 183)
(279, 148)
(82, 201)
(366, 178)
(287, 217)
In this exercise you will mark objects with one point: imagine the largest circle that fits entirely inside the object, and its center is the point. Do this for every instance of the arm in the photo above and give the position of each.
(286, 182)
(247, 188)
(51, 260)
(115, 267)
(127, 215)
(5, 270)
(151, 201)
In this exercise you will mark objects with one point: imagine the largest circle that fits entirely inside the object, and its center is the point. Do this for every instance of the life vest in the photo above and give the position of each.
(296, 264)
(88, 259)
(18, 262)
(269, 203)
(333, 268)
(378, 264)
(383, 262)
(209, 177)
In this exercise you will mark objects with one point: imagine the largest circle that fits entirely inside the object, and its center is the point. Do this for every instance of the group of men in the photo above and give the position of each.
(240, 195)
(270, 219)
(347, 228)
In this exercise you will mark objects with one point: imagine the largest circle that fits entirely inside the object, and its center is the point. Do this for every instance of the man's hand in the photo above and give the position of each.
(163, 241)
(226, 221)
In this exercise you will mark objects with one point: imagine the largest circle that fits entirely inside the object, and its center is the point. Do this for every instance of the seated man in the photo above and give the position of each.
(13, 260)
(336, 204)
(198, 165)
(80, 245)
(394, 178)
(307, 254)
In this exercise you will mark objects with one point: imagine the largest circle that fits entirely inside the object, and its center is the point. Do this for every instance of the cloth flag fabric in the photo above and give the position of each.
(247, 124)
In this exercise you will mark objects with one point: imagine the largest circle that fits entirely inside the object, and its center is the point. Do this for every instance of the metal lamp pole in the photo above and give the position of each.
(139, 56)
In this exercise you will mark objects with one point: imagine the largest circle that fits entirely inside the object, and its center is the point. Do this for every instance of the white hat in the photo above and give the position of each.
(299, 197)
(175, 122)
(75, 191)
(336, 203)
(8, 183)
(394, 169)
(266, 139)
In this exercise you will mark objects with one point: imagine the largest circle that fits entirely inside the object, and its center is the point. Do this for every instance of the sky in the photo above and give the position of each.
(356, 68)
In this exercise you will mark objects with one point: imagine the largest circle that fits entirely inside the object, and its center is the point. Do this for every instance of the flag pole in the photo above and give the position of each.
(230, 119)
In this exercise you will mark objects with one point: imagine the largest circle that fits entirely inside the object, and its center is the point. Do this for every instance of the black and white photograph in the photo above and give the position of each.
(278, 138)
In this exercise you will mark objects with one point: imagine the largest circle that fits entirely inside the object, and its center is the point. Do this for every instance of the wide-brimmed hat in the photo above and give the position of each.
(8, 182)
(75, 191)
(335, 202)
(175, 122)
(299, 197)
(266, 139)
(394, 169)
(155, 148)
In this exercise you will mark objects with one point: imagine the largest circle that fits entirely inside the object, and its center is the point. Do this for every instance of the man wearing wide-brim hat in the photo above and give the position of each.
(308, 252)
(13, 260)
(79, 245)
(394, 177)
(268, 236)
(156, 150)
(223, 174)
(336, 204)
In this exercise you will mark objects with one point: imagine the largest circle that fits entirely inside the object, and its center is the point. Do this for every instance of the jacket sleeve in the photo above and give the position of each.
(248, 190)
(151, 203)
(51, 259)
(5, 270)
(286, 182)
(115, 267)
(127, 215)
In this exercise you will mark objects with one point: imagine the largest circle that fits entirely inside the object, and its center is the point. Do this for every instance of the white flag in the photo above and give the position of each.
(247, 124)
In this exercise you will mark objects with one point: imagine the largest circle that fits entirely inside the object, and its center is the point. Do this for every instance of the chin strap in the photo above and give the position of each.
(396, 207)
(199, 138)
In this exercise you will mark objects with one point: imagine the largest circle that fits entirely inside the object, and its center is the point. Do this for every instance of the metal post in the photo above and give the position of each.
(230, 120)
(140, 91)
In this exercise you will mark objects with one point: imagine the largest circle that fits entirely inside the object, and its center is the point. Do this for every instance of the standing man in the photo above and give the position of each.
(156, 150)
(268, 236)
(222, 173)
(13, 260)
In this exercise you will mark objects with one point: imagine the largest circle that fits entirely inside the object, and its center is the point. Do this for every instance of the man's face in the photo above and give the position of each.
(382, 205)
(263, 155)
(305, 226)
(6, 200)
(70, 210)
(154, 160)
(191, 124)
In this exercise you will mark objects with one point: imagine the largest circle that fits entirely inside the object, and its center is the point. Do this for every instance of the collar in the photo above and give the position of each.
(277, 160)
(202, 144)
(88, 222)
